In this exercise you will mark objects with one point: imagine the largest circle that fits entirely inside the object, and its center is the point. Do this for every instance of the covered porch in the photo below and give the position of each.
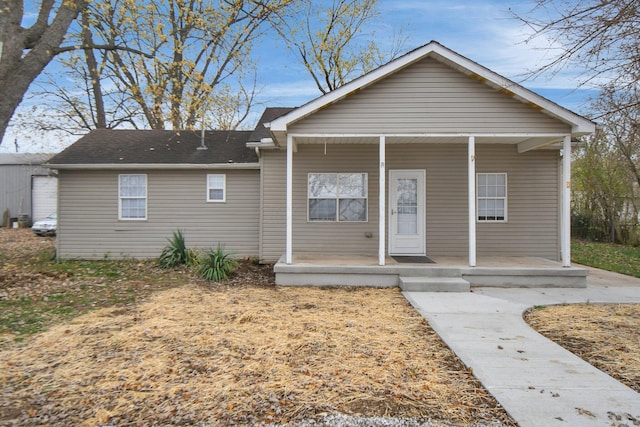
(396, 161)
(429, 155)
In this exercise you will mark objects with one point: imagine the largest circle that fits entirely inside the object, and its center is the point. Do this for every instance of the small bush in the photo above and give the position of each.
(176, 253)
(216, 265)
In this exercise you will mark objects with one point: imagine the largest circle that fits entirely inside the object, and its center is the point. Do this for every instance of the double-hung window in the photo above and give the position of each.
(337, 197)
(216, 188)
(132, 195)
(492, 197)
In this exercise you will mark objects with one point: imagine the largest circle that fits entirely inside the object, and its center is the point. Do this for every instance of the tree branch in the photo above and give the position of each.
(107, 47)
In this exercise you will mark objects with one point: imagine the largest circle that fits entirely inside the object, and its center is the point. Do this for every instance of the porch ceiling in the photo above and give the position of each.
(533, 141)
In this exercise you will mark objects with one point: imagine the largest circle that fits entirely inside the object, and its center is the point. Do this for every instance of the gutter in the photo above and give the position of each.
(157, 166)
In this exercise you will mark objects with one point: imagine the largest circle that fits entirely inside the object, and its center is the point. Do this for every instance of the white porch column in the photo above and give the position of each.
(565, 227)
(381, 202)
(289, 228)
(472, 201)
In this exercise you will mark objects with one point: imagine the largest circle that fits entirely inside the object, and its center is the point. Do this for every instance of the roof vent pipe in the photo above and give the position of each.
(202, 146)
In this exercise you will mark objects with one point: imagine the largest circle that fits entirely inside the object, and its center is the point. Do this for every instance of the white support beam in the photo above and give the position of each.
(565, 227)
(289, 219)
(472, 201)
(381, 203)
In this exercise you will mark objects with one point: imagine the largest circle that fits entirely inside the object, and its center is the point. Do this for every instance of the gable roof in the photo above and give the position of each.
(579, 124)
(126, 147)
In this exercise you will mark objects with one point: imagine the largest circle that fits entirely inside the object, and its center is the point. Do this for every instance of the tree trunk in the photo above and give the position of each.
(100, 117)
(42, 40)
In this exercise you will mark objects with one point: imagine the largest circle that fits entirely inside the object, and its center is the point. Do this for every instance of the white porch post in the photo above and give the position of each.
(381, 202)
(472, 201)
(565, 228)
(289, 228)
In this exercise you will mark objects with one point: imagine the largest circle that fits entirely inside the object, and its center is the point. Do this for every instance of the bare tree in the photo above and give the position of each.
(607, 169)
(622, 125)
(26, 51)
(201, 53)
(604, 204)
(601, 37)
(184, 63)
(331, 43)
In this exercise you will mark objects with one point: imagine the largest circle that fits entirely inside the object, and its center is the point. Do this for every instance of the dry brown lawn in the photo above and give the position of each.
(607, 336)
(242, 355)
(185, 351)
(233, 353)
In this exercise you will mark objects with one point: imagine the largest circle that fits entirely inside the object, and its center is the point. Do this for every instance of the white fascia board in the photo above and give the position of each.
(580, 125)
(156, 166)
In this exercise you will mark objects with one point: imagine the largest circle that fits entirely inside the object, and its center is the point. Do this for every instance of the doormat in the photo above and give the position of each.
(414, 259)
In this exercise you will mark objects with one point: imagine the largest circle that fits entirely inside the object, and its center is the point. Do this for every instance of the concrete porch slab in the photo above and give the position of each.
(311, 269)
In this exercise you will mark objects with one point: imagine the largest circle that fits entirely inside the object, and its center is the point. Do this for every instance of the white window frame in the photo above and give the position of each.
(121, 197)
(338, 198)
(504, 198)
(224, 188)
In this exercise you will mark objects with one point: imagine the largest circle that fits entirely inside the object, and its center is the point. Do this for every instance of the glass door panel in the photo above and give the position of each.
(407, 206)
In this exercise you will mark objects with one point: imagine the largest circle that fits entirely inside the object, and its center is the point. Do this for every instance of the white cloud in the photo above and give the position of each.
(290, 94)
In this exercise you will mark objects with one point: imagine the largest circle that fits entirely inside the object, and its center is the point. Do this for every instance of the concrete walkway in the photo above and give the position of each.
(535, 380)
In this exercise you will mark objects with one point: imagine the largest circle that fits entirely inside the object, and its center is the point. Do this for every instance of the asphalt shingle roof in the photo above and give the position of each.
(134, 146)
(125, 146)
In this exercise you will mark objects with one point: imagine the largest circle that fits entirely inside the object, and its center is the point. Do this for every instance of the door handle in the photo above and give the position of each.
(393, 212)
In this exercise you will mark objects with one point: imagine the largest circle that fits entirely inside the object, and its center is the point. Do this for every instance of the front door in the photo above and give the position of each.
(407, 212)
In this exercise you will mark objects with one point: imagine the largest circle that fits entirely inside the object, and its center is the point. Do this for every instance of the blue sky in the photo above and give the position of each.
(482, 30)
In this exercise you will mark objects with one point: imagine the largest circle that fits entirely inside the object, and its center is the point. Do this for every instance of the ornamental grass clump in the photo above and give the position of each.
(176, 253)
(217, 264)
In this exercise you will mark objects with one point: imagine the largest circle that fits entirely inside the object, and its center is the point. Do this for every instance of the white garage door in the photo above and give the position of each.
(44, 196)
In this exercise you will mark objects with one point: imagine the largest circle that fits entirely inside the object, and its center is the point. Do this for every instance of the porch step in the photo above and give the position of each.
(433, 284)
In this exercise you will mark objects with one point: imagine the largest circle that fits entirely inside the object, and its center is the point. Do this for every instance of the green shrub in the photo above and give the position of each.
(216, 265)
(176, 252)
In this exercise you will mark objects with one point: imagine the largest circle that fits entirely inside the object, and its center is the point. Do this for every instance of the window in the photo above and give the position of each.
(337, 197)
(492, 196)
(216, 191)
(132, 193)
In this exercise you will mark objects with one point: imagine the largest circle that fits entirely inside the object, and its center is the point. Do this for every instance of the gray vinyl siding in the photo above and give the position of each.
(532, 199)
(88, 225)
(274, 200)
(429, 96)
(532, 224)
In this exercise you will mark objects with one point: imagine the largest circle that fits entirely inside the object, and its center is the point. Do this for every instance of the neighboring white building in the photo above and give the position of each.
(27, 188)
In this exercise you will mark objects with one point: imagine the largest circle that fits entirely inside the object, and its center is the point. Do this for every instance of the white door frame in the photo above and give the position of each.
(420, 238)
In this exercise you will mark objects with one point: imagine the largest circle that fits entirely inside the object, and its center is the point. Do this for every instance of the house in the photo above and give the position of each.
(429, 155)
(28, 191)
